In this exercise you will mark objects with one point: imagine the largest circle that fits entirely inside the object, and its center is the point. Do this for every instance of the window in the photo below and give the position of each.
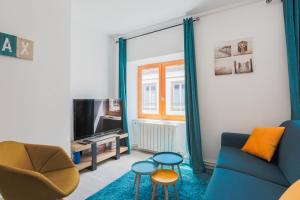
(177, 90)
(150, 91)
(161, 91)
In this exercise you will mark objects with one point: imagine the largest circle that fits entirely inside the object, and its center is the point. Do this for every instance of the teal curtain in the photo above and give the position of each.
(191, 100)
(291, 10)
(122, 83)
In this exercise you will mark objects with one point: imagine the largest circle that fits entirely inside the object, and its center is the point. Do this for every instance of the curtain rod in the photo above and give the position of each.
(162, 29)
(196, 18)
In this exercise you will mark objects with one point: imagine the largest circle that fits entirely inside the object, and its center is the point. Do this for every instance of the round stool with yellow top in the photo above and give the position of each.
(165, 178)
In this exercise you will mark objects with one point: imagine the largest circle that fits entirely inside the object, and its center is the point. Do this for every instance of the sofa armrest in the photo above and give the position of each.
(236, 140)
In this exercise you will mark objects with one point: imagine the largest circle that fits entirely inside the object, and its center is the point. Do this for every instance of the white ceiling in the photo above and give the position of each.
(123, 16)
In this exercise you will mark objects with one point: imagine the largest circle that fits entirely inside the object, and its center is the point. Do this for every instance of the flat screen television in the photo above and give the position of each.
(96, 117)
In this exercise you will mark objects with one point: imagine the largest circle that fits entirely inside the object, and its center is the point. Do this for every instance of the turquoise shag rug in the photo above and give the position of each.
(193, 187)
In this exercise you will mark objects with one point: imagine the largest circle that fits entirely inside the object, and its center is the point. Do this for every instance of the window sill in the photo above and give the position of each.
(159, 121)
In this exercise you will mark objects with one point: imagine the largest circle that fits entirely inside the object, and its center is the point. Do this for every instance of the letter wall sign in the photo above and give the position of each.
(17, 47)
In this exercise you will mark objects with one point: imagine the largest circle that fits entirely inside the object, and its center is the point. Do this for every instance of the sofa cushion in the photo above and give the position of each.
(237, 160)
(226, 184)
(289, 151)
(263, 142)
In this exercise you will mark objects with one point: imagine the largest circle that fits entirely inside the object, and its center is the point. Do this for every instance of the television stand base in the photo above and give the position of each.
(91, 161)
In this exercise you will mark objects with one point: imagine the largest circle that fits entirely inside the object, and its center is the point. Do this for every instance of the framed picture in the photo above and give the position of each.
(223, 51)
(242, 47)
(243, 64)
(223, 66)
(234, 57)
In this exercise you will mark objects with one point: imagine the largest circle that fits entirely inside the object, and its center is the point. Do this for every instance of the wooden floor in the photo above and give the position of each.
(107, 172)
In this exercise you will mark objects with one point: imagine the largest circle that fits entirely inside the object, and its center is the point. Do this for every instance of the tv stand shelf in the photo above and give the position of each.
(91, 161)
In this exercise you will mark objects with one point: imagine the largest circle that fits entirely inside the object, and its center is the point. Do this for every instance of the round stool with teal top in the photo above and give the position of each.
(142, 168)
(170, 159)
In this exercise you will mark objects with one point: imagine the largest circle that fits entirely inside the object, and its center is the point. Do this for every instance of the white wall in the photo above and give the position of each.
(92, 70)
(92, 58)
(157, 44)
(229, 103)
(240, 102)
(35, 94)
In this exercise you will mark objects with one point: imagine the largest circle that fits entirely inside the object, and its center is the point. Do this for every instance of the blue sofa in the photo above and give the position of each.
(241, 176)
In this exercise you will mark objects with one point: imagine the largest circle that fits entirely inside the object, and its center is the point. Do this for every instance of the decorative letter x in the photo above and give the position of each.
(24, 47)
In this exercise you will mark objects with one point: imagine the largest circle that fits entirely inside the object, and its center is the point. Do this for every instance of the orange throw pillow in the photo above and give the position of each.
(263, 142)
(292, 193)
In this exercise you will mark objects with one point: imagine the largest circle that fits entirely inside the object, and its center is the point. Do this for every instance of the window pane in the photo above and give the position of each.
(175, 99)
(150, 91)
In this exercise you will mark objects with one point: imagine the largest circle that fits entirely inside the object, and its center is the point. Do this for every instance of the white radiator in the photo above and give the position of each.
(153, 136)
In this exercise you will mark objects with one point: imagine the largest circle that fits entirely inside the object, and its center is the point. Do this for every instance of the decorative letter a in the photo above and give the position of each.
(6, 45)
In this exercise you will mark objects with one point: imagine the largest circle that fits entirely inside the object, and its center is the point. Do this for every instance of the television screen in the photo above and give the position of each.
(96, 117)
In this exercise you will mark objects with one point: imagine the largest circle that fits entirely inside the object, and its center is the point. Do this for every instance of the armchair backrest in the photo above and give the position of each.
(14, 154)
(289, 151)
(46, 158)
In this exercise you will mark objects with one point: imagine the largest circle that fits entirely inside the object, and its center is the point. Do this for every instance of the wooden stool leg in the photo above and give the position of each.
(151, 183)
(154, 191)
(135, 177)
(179, 172)
(166, 192)
(175, 192)
(138, 187)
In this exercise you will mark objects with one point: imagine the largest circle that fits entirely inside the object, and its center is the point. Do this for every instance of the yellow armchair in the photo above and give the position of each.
(35, 172)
